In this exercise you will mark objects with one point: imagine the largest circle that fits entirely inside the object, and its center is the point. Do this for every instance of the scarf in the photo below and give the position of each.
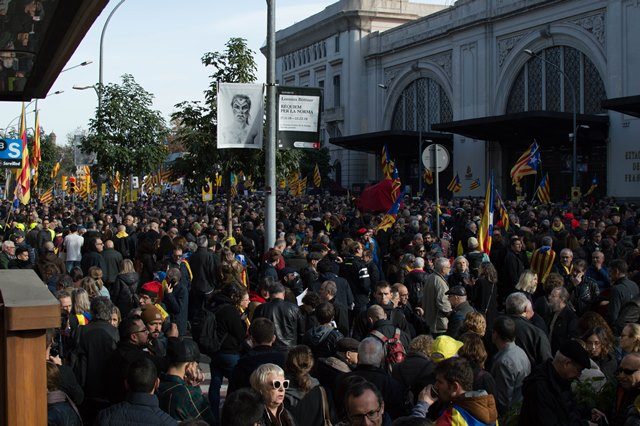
(558, 228)
(122, 234)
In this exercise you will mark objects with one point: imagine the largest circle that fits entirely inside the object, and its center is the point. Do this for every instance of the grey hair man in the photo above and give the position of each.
(434, 299)
(530, 338)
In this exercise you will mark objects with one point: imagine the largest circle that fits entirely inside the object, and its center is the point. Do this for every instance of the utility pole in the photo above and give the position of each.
(270, 148)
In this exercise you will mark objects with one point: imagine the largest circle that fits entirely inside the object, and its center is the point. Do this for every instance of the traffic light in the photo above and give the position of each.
(72, 184)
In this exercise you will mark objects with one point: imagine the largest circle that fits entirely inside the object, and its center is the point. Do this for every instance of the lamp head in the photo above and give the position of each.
(529, 52)
(383, 86)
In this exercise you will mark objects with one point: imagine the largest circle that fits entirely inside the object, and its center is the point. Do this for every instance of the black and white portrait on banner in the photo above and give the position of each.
(240, 115)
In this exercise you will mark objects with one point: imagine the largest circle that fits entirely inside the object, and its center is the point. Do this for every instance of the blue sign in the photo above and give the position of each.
(11, 153)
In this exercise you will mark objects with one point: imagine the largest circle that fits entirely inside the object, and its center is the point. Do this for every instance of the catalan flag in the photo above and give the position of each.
(116, 182)
(527, 164)
(390, 218)
(55, 169)
(86, 170)
(282, 184)
(475, 184)
(294, 179)
(302, 185)
(218, 180)
(544, 190)
(485, 230)
(428, 176)
(455, 186)
(594, 185)
(396, 185)
(317, 179)
(502, 212)
(47, 196)
(23, 178)
(233, 179)
(63, 183)
(387, 164)
(248, 184)
(36, 155)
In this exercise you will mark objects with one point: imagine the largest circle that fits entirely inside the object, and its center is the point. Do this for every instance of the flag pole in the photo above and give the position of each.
(437, 182)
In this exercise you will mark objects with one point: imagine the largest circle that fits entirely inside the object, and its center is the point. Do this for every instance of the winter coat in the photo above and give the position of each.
(305, 408)
(564, 328)
(532, 340)
(416, 372)
(584, 295)
(250, 361)
(204, 267)
(113, 264)
(547, 399)
(322, 340)
(232, 330)
(287, 318)
(622, 291)
(138, 409)
(436, 303)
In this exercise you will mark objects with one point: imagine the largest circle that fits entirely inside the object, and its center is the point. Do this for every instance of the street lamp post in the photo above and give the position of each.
(270, 152)
(99, 93)
(574, 139)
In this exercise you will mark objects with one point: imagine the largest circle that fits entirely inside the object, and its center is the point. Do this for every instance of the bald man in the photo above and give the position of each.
(113, 263)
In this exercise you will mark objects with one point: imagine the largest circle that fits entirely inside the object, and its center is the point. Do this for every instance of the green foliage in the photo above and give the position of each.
(196, 126)
(127, 134)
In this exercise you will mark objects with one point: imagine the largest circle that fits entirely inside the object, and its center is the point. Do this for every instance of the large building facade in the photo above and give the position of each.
(411, 74)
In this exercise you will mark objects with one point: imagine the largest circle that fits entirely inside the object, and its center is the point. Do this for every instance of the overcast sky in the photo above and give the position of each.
(160, 43)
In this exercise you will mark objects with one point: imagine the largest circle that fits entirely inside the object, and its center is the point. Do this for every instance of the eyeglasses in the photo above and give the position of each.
(625, 371)
(144, 330)
(371, 415)
(277, 384)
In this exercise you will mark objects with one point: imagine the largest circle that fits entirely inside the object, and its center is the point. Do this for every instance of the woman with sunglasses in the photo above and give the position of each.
(268, 380)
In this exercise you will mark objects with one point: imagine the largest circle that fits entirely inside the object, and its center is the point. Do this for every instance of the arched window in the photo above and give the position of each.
(420, 105)
(541, 87)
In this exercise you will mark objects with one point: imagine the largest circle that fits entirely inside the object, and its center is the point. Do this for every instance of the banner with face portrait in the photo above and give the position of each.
(240, 115)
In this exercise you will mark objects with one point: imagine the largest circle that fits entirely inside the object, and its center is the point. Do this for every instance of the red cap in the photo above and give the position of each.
(152, 288)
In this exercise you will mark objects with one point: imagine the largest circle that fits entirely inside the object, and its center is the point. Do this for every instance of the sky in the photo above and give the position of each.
(161, 43)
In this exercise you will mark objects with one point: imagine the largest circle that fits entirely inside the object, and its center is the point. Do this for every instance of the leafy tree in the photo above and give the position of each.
(126, 134)
(196, 125)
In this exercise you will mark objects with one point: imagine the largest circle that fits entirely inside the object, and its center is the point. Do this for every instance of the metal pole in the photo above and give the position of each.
(419, 162)
(270, 151)
(437, 180)
(99, 90)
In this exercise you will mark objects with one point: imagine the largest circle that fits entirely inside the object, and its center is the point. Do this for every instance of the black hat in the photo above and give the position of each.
(182, 350)
(457, 290)
(576, 353)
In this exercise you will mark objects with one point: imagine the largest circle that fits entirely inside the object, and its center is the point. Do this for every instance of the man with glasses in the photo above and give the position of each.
(93, 257)
(628, 376)
(565, 265)
(598, 272)
(364, 405)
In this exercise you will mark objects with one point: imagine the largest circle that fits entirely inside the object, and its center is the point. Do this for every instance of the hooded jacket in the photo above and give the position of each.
(473, 408)
(322, 340)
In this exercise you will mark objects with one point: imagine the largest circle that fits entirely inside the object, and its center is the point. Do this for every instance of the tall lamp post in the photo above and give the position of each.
(99, 93)
(270, 152)
(574, 138)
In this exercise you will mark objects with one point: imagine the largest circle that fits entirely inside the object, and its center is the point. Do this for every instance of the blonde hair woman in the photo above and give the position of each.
(528, 283)
(268, 380)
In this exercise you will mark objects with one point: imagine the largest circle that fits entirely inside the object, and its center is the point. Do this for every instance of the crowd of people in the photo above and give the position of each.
(339, 322)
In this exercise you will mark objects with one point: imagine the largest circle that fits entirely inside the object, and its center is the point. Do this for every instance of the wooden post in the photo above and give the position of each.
(27, 310)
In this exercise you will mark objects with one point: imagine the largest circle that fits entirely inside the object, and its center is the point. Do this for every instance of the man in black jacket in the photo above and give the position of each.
(547, 395)
(355, 271)
(286, 316)
(322, 339)
(622, 289)
(515, 262)
(344, 295)
(204, 267)
(93, 256)
(563, 325)
(141, 405)
(327, 293)
(96, 343)
(262, 332)
(529, 337)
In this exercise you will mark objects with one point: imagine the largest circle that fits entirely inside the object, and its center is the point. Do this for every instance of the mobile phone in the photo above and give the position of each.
(434, 393)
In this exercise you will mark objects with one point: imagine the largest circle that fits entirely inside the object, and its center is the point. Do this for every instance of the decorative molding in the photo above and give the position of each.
(390, 74)
(506, 45)
(443, 60)
(595, 24)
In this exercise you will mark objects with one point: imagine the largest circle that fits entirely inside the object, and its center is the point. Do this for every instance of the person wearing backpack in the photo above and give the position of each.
(388, 334)
(225, 343)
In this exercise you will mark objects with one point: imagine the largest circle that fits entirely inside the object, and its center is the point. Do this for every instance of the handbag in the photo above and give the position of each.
(325, 408)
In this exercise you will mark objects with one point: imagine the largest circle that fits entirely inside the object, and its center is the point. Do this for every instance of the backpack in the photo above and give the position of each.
(204, 329)
(393, 348)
